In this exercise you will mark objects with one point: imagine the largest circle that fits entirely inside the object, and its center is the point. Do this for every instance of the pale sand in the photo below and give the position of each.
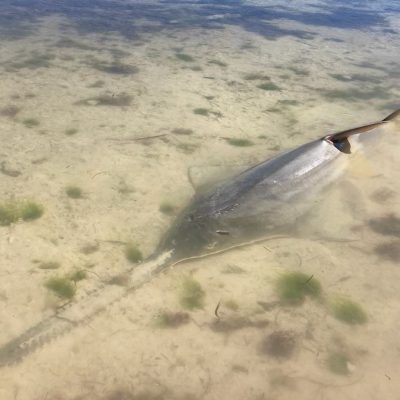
(125, 181)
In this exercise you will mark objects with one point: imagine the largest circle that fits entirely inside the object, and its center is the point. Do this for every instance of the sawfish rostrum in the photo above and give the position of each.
(262, 200)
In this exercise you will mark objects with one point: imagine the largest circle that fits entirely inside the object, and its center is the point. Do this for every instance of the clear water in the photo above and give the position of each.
(134, 103)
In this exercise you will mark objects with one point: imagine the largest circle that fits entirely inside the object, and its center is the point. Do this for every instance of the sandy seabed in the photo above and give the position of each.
(95, 100)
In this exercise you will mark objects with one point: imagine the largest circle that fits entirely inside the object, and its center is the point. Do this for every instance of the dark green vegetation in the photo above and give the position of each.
(61, 287)
(182, 131)
(90, 248)
(167, 208)
(247, 46)
(299, 71)
(202, 111)
(184, 57)
(30, 211)
(349, 312)
(14, 210)
(34, 61)
(275, 110)
(338, 363)
(106, 99)
(124, 189)
(120, 280)
(74, 192)
(98, 84)
(354, 94)
(217, 62)
(30, 122)
(268, 86)
(191, 294)
(78, 275)
(356, 77)
(49, 265)
(133, 253)
(167, 319)
(196, 68)
(187, 148)
(71, 131)
(116, 68)
(256, 76)
(239, 142)
(279, 344)
(289, 102)
(233, 269)
(293, 287)
(205, 112)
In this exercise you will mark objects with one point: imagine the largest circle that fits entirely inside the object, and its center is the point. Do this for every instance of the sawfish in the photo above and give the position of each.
(266, 199)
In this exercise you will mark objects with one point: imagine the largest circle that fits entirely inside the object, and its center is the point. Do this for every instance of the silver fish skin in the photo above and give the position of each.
(265, 199)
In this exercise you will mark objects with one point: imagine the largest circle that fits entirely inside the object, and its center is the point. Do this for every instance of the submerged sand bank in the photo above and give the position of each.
(81, 103)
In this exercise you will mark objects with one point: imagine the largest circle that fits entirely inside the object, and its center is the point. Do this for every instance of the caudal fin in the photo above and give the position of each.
(340, 139)
(393, 115)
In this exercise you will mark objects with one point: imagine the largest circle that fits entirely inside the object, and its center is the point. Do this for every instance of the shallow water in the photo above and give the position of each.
(137, 103)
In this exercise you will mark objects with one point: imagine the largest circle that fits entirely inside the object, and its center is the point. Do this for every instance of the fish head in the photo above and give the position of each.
(191, 235)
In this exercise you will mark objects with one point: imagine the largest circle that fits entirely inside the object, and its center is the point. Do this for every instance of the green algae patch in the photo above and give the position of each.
(31, 122)
(31, 211)
(78, 275)
(74, 192)
(168, 319)
(63, 288)
(293, 287)
(348, 311)
(49, 265)
(9, 213)
(338, 363)
(191, 294)
(184, 57)
(71, 131)
(256, 76)
(239, 142)
(167, 208)
(202, 111)
(13, 210)
(133, 253)
(269, 86)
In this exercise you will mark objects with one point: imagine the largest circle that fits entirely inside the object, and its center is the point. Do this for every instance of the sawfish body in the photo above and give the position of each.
(265, 199)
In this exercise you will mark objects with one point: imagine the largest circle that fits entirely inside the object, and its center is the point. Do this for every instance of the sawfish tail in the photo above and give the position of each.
(393, 115)
(340, 139)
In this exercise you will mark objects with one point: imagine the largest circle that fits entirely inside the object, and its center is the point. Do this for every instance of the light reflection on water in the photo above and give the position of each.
(106, 110)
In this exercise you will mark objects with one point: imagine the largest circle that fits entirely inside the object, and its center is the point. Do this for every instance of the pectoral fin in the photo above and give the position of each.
(206, 176)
